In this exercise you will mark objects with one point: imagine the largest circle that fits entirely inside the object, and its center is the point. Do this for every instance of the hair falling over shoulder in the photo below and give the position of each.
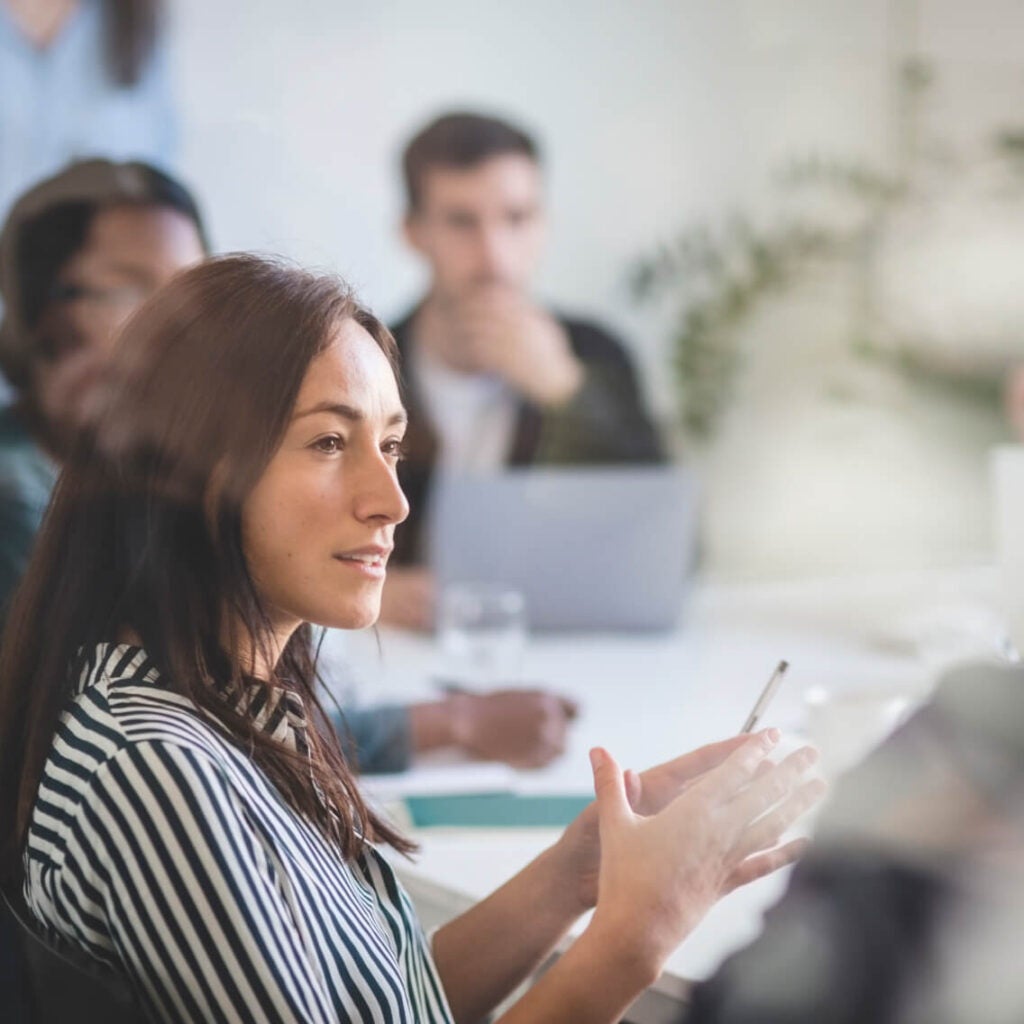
(143, 534)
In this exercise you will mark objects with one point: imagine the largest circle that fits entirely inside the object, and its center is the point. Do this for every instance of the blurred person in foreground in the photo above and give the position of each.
(909, 906)
(78, 254)
(493, 377)
(173, 802)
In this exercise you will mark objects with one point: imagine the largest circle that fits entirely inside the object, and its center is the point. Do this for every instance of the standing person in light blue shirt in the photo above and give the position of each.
(80, 78)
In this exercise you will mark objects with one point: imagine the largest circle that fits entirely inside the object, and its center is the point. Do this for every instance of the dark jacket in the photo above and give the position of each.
(605, 422)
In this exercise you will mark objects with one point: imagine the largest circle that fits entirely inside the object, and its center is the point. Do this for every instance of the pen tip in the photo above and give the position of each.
(783, 665)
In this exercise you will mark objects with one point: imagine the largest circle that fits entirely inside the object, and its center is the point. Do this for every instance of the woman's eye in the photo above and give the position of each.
(394, 448)
(329, 445)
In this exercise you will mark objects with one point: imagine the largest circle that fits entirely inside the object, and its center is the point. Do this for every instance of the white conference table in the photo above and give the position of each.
(878, 640)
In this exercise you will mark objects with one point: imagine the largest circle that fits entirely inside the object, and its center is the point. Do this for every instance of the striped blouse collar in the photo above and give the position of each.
(277, 711)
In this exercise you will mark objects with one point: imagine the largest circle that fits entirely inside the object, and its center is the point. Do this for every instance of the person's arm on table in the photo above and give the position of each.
(486, 952)
(687, 832)
(525, 728)
(378, 740)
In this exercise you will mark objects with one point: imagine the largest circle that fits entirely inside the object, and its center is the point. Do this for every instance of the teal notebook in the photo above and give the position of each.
(494, 810)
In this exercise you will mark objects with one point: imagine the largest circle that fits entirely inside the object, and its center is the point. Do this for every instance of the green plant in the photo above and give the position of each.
(720, 279)
(717, 278)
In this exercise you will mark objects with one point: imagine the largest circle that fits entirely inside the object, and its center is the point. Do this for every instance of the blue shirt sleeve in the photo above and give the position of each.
(377, 739)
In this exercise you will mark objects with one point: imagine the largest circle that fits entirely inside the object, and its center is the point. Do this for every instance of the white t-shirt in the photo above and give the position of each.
(474, 414)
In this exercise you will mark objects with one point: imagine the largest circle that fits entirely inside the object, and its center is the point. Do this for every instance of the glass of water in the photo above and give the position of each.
(481, 631)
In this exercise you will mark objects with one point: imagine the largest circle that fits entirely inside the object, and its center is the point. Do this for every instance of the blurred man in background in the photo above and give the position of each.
(492, 377)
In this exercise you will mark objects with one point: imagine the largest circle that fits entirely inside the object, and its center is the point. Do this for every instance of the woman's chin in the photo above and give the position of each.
(364, 621)
(360, 616)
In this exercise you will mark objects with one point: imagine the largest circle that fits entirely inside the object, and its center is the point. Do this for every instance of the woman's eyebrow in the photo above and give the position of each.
(350, 413)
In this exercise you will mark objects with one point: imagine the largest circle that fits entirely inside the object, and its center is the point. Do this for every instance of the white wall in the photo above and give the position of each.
(293, 125)
(654, 114)
(826, 464)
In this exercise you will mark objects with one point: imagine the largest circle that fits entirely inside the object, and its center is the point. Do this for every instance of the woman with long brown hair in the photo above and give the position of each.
(172, 799)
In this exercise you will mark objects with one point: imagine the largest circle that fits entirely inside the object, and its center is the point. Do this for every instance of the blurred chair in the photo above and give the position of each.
(65, 984)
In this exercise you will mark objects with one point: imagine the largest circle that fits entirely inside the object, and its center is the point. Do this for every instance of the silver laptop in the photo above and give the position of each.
(604, 548)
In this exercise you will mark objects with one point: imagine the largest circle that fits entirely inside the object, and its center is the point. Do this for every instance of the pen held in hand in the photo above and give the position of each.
(766, 695)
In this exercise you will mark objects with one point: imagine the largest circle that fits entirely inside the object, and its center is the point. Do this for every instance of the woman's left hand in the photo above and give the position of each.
(650, 792)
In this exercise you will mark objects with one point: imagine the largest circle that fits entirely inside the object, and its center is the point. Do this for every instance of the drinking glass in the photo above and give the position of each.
(481, 632)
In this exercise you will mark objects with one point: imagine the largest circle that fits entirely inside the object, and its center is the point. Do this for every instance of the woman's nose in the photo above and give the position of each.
(380, 494)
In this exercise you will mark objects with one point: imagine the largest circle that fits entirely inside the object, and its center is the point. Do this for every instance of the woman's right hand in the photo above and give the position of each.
(659, 875)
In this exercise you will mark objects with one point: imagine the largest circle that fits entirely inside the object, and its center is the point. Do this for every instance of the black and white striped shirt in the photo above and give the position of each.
(159, 848)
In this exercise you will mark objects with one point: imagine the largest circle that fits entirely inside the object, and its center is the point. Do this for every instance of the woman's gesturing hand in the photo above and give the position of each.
(665, 859)
(651, 791)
